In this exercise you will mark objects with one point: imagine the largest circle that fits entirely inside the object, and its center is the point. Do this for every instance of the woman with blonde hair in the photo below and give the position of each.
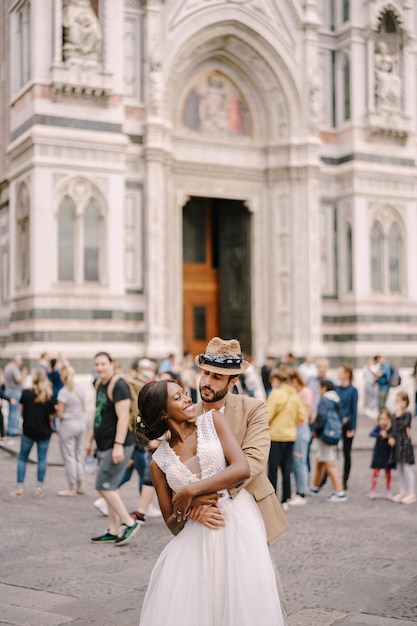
(71, 431)
(285, 412)
(37, 409)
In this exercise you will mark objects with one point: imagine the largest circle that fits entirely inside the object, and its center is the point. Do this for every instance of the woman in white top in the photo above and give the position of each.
(71, 431)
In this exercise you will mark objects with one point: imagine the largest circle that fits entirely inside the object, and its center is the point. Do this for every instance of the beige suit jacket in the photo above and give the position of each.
(248, 419)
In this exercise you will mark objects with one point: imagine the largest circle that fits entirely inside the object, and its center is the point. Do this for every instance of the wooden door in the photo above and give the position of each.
(216, 273)
(200, 276)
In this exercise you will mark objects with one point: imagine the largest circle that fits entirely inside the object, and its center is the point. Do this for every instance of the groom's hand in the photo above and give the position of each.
(204, 510)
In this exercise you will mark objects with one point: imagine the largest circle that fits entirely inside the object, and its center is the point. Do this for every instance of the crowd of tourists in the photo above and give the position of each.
(149, 418)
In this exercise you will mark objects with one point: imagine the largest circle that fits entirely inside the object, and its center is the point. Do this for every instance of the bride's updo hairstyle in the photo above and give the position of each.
(152, 405)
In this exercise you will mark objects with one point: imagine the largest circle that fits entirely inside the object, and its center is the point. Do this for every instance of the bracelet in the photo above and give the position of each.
(118, 443)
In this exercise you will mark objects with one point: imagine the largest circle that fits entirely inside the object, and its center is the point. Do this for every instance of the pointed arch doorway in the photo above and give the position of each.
(216, 272)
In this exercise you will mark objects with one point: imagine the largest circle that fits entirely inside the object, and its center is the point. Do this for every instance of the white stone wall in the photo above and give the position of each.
(110, 119)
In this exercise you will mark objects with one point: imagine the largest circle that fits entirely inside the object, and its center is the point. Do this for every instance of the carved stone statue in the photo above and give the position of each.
(81, 32)
(387, 81)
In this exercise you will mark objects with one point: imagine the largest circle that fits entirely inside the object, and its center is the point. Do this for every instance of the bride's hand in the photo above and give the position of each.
(181, 504)
(210, 516)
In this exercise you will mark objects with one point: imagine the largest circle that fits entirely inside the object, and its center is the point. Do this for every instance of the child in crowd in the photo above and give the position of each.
(383, 453)
(404, 454)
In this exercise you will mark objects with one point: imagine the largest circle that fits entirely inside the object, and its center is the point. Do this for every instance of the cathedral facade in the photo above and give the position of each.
(175, 169)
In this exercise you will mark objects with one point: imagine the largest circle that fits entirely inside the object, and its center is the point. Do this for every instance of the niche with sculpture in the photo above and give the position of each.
(81, 32)
(388, 51)
(387, 113)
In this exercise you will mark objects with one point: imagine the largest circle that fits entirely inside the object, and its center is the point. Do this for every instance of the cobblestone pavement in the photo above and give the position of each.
(351, 563)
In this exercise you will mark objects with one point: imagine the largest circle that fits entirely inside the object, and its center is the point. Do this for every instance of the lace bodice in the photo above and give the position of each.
(209, 452)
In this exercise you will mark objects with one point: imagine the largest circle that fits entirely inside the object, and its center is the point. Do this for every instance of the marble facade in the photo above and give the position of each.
(115, 112)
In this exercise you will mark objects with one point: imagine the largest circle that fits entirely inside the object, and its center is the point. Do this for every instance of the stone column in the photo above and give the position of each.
(41, 41)
(57, 32)
(361, 249)
(305, 283)
(305, 262)
(158, 341)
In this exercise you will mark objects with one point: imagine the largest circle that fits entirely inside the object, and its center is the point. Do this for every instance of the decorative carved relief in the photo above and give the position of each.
(268, 11)
(315, 99)
(81, 33)
(386, 215)
(80, 190)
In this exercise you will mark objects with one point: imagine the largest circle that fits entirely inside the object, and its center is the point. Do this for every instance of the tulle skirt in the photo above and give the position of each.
(223, 577)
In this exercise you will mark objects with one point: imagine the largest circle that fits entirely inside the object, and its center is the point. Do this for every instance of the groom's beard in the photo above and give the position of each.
(210, 396)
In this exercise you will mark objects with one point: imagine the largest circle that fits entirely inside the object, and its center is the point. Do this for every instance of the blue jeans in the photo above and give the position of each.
(299, 458)
(25, 447)
(13, 420)
(139, 464)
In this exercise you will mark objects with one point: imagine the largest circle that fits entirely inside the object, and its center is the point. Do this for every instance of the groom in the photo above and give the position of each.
(220, 365)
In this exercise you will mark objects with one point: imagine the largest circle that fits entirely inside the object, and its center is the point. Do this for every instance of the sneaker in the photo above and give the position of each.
(67, 493)
(38, 493)
(108, 537)
(127, 533)
(337, 497)
(138, 517)
(297, 500)
(388, 495)
(80, 491)
(17, 493)
(372, 495)
(285, 506)
(101, 505)
(313, 491)
(410, 499)
(153, 511)
(398, 497)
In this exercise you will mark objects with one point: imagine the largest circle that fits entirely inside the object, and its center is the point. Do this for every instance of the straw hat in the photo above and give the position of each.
(222, 356)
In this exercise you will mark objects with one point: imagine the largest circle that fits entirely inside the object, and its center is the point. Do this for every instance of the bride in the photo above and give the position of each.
(210, 574)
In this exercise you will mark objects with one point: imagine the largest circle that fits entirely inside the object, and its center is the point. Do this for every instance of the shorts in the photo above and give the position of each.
(110, 474)
(325, 453)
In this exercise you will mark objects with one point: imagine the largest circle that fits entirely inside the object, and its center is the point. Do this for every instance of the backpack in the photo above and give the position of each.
(395, 380)
(134, 387)
(332, 430)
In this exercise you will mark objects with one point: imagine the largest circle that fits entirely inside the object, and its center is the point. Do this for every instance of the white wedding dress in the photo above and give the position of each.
(207, 577)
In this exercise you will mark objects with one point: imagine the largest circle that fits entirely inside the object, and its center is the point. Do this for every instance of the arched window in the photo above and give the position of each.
(66, 240)
(23, 238)
(92, 230)
(346, 89)
(349, 257)
(394, 256)
(377, 277)
(80, 233)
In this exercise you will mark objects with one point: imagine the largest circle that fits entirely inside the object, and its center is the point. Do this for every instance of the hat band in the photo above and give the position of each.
(230, 361)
